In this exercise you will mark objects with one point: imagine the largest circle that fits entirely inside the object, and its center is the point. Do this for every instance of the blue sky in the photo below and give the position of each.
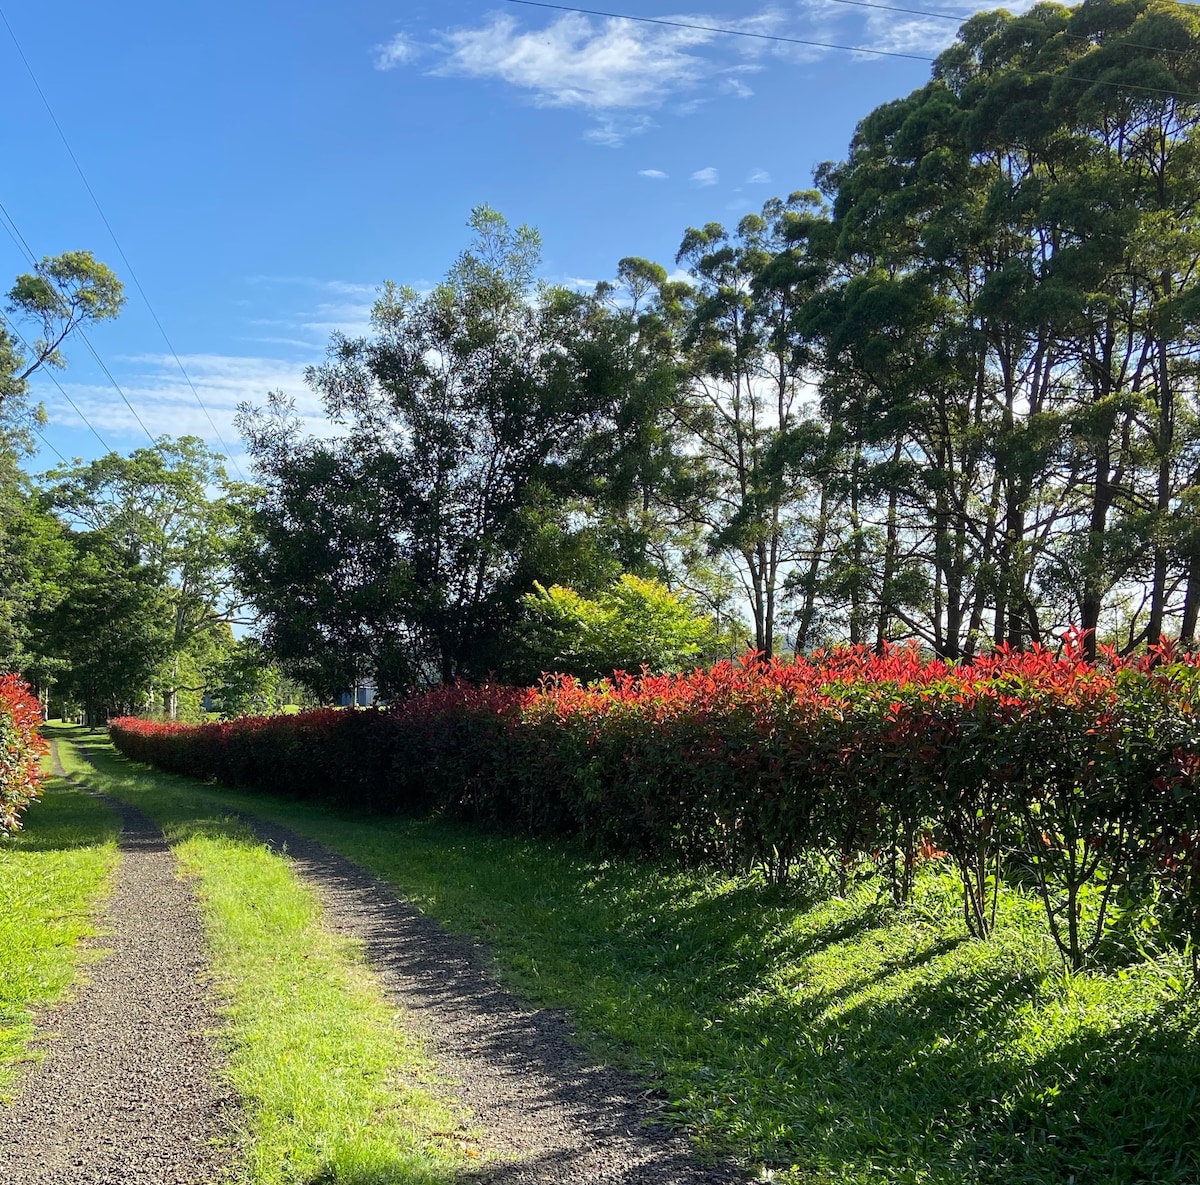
(266, 165)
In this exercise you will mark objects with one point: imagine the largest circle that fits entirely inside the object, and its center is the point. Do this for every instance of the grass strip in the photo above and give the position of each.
(832, 1040)
(54, 874)
(333, 1090)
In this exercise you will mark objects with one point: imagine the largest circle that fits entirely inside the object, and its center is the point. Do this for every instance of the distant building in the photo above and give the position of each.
(363, 695)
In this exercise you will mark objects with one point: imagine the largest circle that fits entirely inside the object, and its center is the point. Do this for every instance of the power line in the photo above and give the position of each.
(120, 250)
(14, 233)
(46, 441)
(654, 20)
(966, 16)
(887, 53)
(50, 375)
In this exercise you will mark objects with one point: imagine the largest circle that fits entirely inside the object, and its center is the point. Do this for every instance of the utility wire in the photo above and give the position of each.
(654, 20)
(14, 233)
(120, 250)
(46, 441)
(966, 16)
(50, 375)
(887, 53)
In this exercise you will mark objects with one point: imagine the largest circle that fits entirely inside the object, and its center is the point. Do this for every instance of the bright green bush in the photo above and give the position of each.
(634, 623)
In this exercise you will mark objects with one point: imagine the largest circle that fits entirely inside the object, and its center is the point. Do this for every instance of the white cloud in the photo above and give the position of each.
(759, 177)
(653, 174)
(613, 131)
(166, 404)
(708, 176)
(397, 52)
(921, 34)
(607, 65)
(575, 62)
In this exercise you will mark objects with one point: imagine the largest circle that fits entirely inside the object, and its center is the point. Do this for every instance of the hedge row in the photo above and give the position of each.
(1078, 779)
(21, 749)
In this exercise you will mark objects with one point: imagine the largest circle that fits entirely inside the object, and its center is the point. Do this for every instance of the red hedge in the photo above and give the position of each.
(891, 758)
(21, 747)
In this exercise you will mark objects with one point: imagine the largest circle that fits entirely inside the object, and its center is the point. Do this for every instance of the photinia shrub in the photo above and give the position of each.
(21, 749)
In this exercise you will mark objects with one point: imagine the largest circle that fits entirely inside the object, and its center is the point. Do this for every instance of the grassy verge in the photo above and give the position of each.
(834, 1041)
(53, 876)
(332, 1089)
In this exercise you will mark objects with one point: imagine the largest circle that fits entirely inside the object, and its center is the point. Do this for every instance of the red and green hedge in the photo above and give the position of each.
(21, 749)
(1078, 779)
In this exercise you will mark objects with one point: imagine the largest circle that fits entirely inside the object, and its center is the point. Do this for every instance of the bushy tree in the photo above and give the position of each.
(631, 624)
(470, 422)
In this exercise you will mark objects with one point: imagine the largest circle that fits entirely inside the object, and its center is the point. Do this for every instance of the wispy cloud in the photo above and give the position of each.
(923, 33)
(653, 174)
(759, 177)
(398, 52)
(703, 177)
(618, 71)
(166, 404)
(606, 67)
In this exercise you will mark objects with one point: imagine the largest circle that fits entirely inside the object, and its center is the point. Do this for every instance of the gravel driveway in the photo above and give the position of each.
(129, 1089)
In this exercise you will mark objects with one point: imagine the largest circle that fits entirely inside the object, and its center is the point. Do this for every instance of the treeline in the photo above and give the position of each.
(947, 396)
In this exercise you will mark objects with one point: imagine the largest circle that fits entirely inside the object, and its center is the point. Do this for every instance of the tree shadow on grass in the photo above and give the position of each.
(934, 1078)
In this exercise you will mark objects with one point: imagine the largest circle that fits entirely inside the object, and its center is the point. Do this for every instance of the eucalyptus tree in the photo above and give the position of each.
(63, 294)
(165, 514)
(1020, 230)
(746, 426)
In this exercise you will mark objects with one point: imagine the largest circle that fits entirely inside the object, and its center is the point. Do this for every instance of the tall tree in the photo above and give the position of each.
(751, 439)
(469, 424)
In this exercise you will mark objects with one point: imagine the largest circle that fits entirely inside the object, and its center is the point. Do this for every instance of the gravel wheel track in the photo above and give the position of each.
(543, 1114)
(129, 1089)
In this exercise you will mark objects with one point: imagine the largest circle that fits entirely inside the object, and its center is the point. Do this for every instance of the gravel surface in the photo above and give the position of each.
(543, 1114)
(129, 1090)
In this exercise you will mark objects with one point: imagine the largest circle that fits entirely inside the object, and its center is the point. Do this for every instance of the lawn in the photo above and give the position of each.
(54, 875)
(332, 1088)
(825, 1040)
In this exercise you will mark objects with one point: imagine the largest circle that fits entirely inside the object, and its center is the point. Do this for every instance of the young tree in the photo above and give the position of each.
(59, 297)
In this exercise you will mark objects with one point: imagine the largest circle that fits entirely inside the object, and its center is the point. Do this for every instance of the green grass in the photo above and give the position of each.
(53, 876)
(333, 1091)
(834, 1040)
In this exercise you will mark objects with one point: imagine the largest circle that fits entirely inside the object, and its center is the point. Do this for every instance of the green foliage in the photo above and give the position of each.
(143, 617)
(64, 293)
(634, 623)
(401, 549)
(245, 682)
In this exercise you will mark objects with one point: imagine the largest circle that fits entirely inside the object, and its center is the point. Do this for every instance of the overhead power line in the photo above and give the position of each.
(670, 24)
(47, 442)
(960, 18)
(14, 233)
(62, 391)
(886, 53)
(117, 243)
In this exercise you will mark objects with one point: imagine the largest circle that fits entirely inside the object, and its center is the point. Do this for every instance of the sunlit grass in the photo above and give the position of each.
(54, 875)
(832, 1040)
(332, 1088)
